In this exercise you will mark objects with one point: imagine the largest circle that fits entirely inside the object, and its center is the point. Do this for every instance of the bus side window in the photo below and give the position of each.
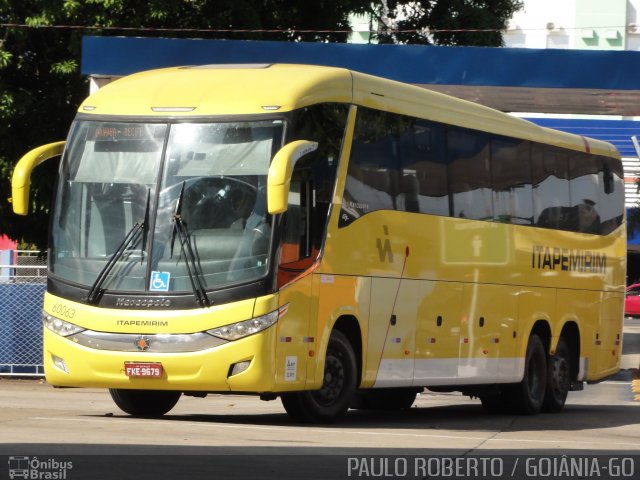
(424, 169)
(550, 172)
(611, 195)
(585, 187)
(372, 178)
(470, 174)
(511, 177)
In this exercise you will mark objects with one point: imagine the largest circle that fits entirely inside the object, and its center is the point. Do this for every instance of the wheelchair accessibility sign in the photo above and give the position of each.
(159, 281)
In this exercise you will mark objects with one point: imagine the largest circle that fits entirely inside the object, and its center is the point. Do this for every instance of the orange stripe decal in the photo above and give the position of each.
(587, 148)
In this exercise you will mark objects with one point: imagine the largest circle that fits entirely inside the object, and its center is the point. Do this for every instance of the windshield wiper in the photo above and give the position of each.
(132, 236)
(191, 262)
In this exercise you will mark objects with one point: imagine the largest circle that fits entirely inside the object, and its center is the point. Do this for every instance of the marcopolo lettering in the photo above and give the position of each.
(568, 259)
(143, 302)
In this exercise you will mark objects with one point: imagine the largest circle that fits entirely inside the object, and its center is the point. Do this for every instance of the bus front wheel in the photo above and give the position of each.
(144, 403)
(338, 388)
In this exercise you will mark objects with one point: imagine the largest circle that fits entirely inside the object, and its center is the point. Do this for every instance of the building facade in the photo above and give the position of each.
(576, 24)
(585, 25)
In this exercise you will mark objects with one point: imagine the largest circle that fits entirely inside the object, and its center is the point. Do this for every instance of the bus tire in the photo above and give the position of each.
(145, 403)
(338, 388)
(388, 399)
(558, 379)
(528, 396)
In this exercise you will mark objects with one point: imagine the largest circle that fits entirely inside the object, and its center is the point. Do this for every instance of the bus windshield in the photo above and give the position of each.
(205, 181)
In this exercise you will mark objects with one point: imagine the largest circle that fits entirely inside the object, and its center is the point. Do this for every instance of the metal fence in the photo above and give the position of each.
(23, 277)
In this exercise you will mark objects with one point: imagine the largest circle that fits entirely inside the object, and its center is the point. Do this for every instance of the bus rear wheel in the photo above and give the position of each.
(145, 403)
(528, 396)
(558, 379)
(333, 399)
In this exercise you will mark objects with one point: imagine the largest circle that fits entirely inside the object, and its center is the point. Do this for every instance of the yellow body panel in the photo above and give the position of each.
(293, 335)
(200, 91)
(509, 291)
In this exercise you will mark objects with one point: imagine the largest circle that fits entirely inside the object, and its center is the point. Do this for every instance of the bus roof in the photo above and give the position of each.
(250, 89)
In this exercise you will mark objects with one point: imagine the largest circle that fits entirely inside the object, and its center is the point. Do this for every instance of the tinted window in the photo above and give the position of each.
(414, 165)
(325, 124)
(397, 163)
(374, 170)
(585, 192)
(424, 169)
(470, 174)
(550, 171)
(611, 195)
(511, 176)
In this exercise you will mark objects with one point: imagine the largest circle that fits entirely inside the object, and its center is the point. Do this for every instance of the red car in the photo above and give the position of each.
(632, 301)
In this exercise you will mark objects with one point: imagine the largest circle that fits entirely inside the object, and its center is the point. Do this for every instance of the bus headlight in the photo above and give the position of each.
(246, 327)
(61, 327)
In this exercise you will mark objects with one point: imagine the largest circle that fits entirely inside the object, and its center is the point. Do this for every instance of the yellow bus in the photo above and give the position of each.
(327, 237)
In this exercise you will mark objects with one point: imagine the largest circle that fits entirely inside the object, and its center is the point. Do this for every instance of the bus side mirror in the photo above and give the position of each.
(280, 171)
(21, 179)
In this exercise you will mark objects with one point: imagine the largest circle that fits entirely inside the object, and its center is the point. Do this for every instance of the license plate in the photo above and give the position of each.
(143, 370)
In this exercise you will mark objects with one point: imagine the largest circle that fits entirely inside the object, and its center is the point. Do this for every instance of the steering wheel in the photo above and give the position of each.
(207, 201)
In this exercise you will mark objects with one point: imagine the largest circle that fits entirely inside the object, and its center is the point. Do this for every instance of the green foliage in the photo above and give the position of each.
(444, 22)
(41, 87)
(38, 20)
(64, 67)
(5, 58)
(6, 105)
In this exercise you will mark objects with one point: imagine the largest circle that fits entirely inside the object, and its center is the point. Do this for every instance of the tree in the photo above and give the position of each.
(444, 22)
(40, 41)
(40, 84)
(39, 91)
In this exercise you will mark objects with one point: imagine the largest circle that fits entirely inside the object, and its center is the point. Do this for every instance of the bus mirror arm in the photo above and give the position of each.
(21, 179)
(280, 171)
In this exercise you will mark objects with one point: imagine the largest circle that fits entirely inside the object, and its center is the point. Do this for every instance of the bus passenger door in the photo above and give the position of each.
(296, 301)
(392, 324)
(438, 334)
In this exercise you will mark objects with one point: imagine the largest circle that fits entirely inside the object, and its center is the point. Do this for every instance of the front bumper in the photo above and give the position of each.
(206, 370)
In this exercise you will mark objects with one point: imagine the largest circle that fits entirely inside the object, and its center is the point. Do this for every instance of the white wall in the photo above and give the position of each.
(543, 24)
